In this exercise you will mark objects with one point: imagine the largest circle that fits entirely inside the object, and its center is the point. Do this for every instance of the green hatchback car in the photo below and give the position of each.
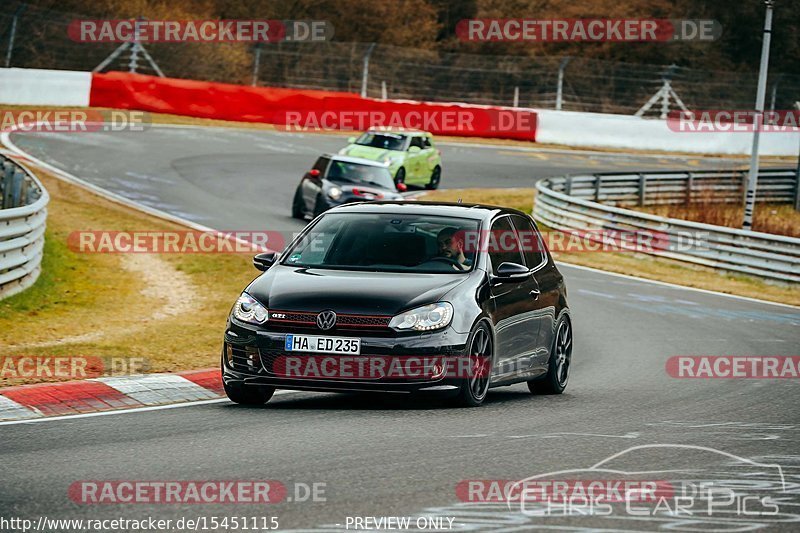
(411, 155)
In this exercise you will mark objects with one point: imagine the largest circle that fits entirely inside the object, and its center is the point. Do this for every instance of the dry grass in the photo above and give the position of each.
(780, 219)
(169, 309)
(634, 264)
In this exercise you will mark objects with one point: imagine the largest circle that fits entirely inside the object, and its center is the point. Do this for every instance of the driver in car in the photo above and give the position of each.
(451, 246)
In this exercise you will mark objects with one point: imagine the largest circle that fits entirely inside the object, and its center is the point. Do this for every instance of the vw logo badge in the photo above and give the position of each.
(326, 320)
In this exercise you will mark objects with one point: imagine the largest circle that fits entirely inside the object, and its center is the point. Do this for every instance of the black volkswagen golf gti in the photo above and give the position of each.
(403, 297)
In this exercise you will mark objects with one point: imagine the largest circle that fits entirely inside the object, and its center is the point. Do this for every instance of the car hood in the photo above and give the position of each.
(347, 291)
(368, 152)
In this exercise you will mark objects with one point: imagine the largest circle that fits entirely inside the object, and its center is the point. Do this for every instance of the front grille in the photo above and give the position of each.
(343, 321)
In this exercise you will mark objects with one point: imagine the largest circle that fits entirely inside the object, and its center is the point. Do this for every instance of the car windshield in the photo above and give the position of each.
(358, 173)
(386, 242)
(387, 141)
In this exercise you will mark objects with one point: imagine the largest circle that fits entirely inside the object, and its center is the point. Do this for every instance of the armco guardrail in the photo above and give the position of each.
(572, 204)
(22, 224)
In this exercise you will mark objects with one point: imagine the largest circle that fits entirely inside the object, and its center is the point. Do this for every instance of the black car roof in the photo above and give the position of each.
(476, 211)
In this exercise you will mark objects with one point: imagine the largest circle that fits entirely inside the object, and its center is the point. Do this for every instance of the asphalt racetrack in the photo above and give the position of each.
(382, 456)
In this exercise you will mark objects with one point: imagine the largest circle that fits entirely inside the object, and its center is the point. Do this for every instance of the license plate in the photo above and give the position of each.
(318, 344)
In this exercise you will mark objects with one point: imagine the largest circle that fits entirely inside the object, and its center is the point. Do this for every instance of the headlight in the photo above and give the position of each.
(425, 318)
(335, 193)
(247, 309)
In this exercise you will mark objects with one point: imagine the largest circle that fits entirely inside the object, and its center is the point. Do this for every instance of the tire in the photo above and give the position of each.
(436, 177)
(400, 177)
(557, 377)
(250, 395)
(319, 205)
(474, 388)
(298, 205)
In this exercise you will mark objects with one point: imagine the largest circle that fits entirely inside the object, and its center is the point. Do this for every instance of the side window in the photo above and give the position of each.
(532, 246)
(321, 164)
(503, 245)
(416, 141)
(426, 142)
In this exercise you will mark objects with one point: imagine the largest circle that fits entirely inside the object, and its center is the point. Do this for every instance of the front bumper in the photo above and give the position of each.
(249, 358)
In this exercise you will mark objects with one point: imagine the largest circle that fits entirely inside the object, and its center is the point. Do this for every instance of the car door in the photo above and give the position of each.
(312, 185)
(415, 159)
(427, 157)
(514, 303)
(545, 300)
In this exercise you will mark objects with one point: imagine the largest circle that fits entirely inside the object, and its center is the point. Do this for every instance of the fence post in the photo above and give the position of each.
(560, 88)
(516, 96)
(384, 91)
(689, 187)
(568, 185)
(256, 64)
(13, 34)
(365, 72)
(642, 189)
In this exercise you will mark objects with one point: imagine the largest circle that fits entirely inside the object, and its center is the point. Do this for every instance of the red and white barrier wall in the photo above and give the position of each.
(289, 107)
(598, 130)
(22, 86)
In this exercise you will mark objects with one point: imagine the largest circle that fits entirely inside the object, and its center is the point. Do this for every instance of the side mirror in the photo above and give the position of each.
(402, 187)
(264, 260)
(314, 173)
(512, 271)
(351, 140)
(414, 150)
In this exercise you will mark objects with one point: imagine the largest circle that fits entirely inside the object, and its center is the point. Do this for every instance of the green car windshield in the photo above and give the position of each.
(386, 242)
(387, 141)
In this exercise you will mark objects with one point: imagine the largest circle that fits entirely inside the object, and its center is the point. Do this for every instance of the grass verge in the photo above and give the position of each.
(633, 264)
(780, 219)
(169, 309)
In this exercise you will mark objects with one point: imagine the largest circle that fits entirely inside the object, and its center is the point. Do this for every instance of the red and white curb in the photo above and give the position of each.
(108, 393)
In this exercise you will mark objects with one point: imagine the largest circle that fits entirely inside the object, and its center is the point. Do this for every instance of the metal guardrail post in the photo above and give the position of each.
(598, 181)
(797, 187)
(642, 189)
(568, 184)
(8, 175)
(16, 188)
(689, 187)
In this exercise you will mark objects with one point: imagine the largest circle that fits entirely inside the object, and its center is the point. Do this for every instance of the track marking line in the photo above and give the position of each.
(675, 286)
(128, 411)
